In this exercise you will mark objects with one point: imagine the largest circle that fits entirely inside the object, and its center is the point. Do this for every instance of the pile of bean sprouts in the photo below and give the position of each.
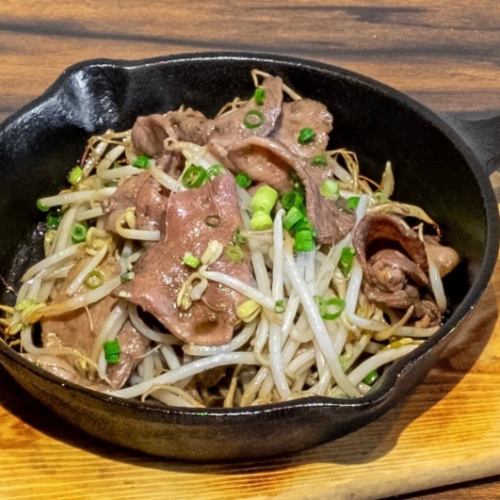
(276, 356)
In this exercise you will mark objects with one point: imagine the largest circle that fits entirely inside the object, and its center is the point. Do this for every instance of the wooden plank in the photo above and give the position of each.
(443, 53)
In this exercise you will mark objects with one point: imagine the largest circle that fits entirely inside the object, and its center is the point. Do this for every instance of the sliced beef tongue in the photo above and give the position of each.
(144, 193)
(149, 132)
(133, 346)
(395, 265)
(159, 274)
(304, 113)
(79, 329)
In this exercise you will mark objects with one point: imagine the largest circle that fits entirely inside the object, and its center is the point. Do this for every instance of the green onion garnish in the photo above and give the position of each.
(94, 279)
(346, 260)
(293, 216)
(53, 219)
(214, 171)
(319, 160)
(253, 119)
(41, 206)
(75, 175)
(293, 199)
(78, 232)
(194, 176)
(331, 308)
(243, 180)
(371, 377)
(127, 276)
(112, 351)
(238, 238)
(259, 95)
(329, 189)
(234, 253)
(142, 161)
(352, 202)
(302, 225)
(279, 306)
(261, 221)
(304, 241)
(264, 199)
(306, 135)
(191, 260)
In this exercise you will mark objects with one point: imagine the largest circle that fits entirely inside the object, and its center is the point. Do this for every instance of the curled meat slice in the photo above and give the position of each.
(395, 265)
(193, 219)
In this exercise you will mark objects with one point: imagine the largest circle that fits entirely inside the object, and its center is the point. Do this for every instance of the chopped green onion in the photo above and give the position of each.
(212, 220)
(75, 175)
(53, 219)
(94, 279)
(234, 253)
(78, 232)
(112, 351)
(142, 161)
(243, 180)
(346, 260)
(329, 189)
(253, 119)
(248, 310)
(371, 377)
(293, 199)
(191, 260)
(259, 95)
(306, 135)
(319, 160)
(293, 216)
(214, 171)
(238, 238)
(261, 221)
(331, 308)
(194, 176)
(303, 225)
(264, 199)
(279, 306)
(41, 206)
(127, 276)
(352, 202)
(304, 241)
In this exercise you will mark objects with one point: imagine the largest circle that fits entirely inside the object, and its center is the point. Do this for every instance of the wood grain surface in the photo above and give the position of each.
(445, 54)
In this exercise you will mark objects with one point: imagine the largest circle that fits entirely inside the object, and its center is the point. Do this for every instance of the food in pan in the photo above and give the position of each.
(229, 262)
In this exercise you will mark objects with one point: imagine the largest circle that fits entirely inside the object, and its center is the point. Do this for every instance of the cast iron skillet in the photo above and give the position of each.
(434, 168)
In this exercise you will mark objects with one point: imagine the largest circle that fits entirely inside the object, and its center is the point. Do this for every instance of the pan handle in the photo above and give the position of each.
(483, 137)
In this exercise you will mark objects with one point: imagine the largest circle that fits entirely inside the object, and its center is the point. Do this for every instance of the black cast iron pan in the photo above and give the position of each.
(435, 167)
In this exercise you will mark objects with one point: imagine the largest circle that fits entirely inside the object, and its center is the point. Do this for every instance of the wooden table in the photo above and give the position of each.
(446, 55)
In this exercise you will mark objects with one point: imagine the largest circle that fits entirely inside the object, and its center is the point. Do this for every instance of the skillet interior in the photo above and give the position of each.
(432, 166)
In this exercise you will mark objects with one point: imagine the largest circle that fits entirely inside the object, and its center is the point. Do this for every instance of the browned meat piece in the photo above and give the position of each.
(61, 368)
(299, 114)
(159, 274)
(394, 264)
(330, 221)
(445, 258)
(262, 160)
(390, 270)
(149, 132)
(142, 192)
(229, 128)
(133, 346)
(378, 231)
(74, 329)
